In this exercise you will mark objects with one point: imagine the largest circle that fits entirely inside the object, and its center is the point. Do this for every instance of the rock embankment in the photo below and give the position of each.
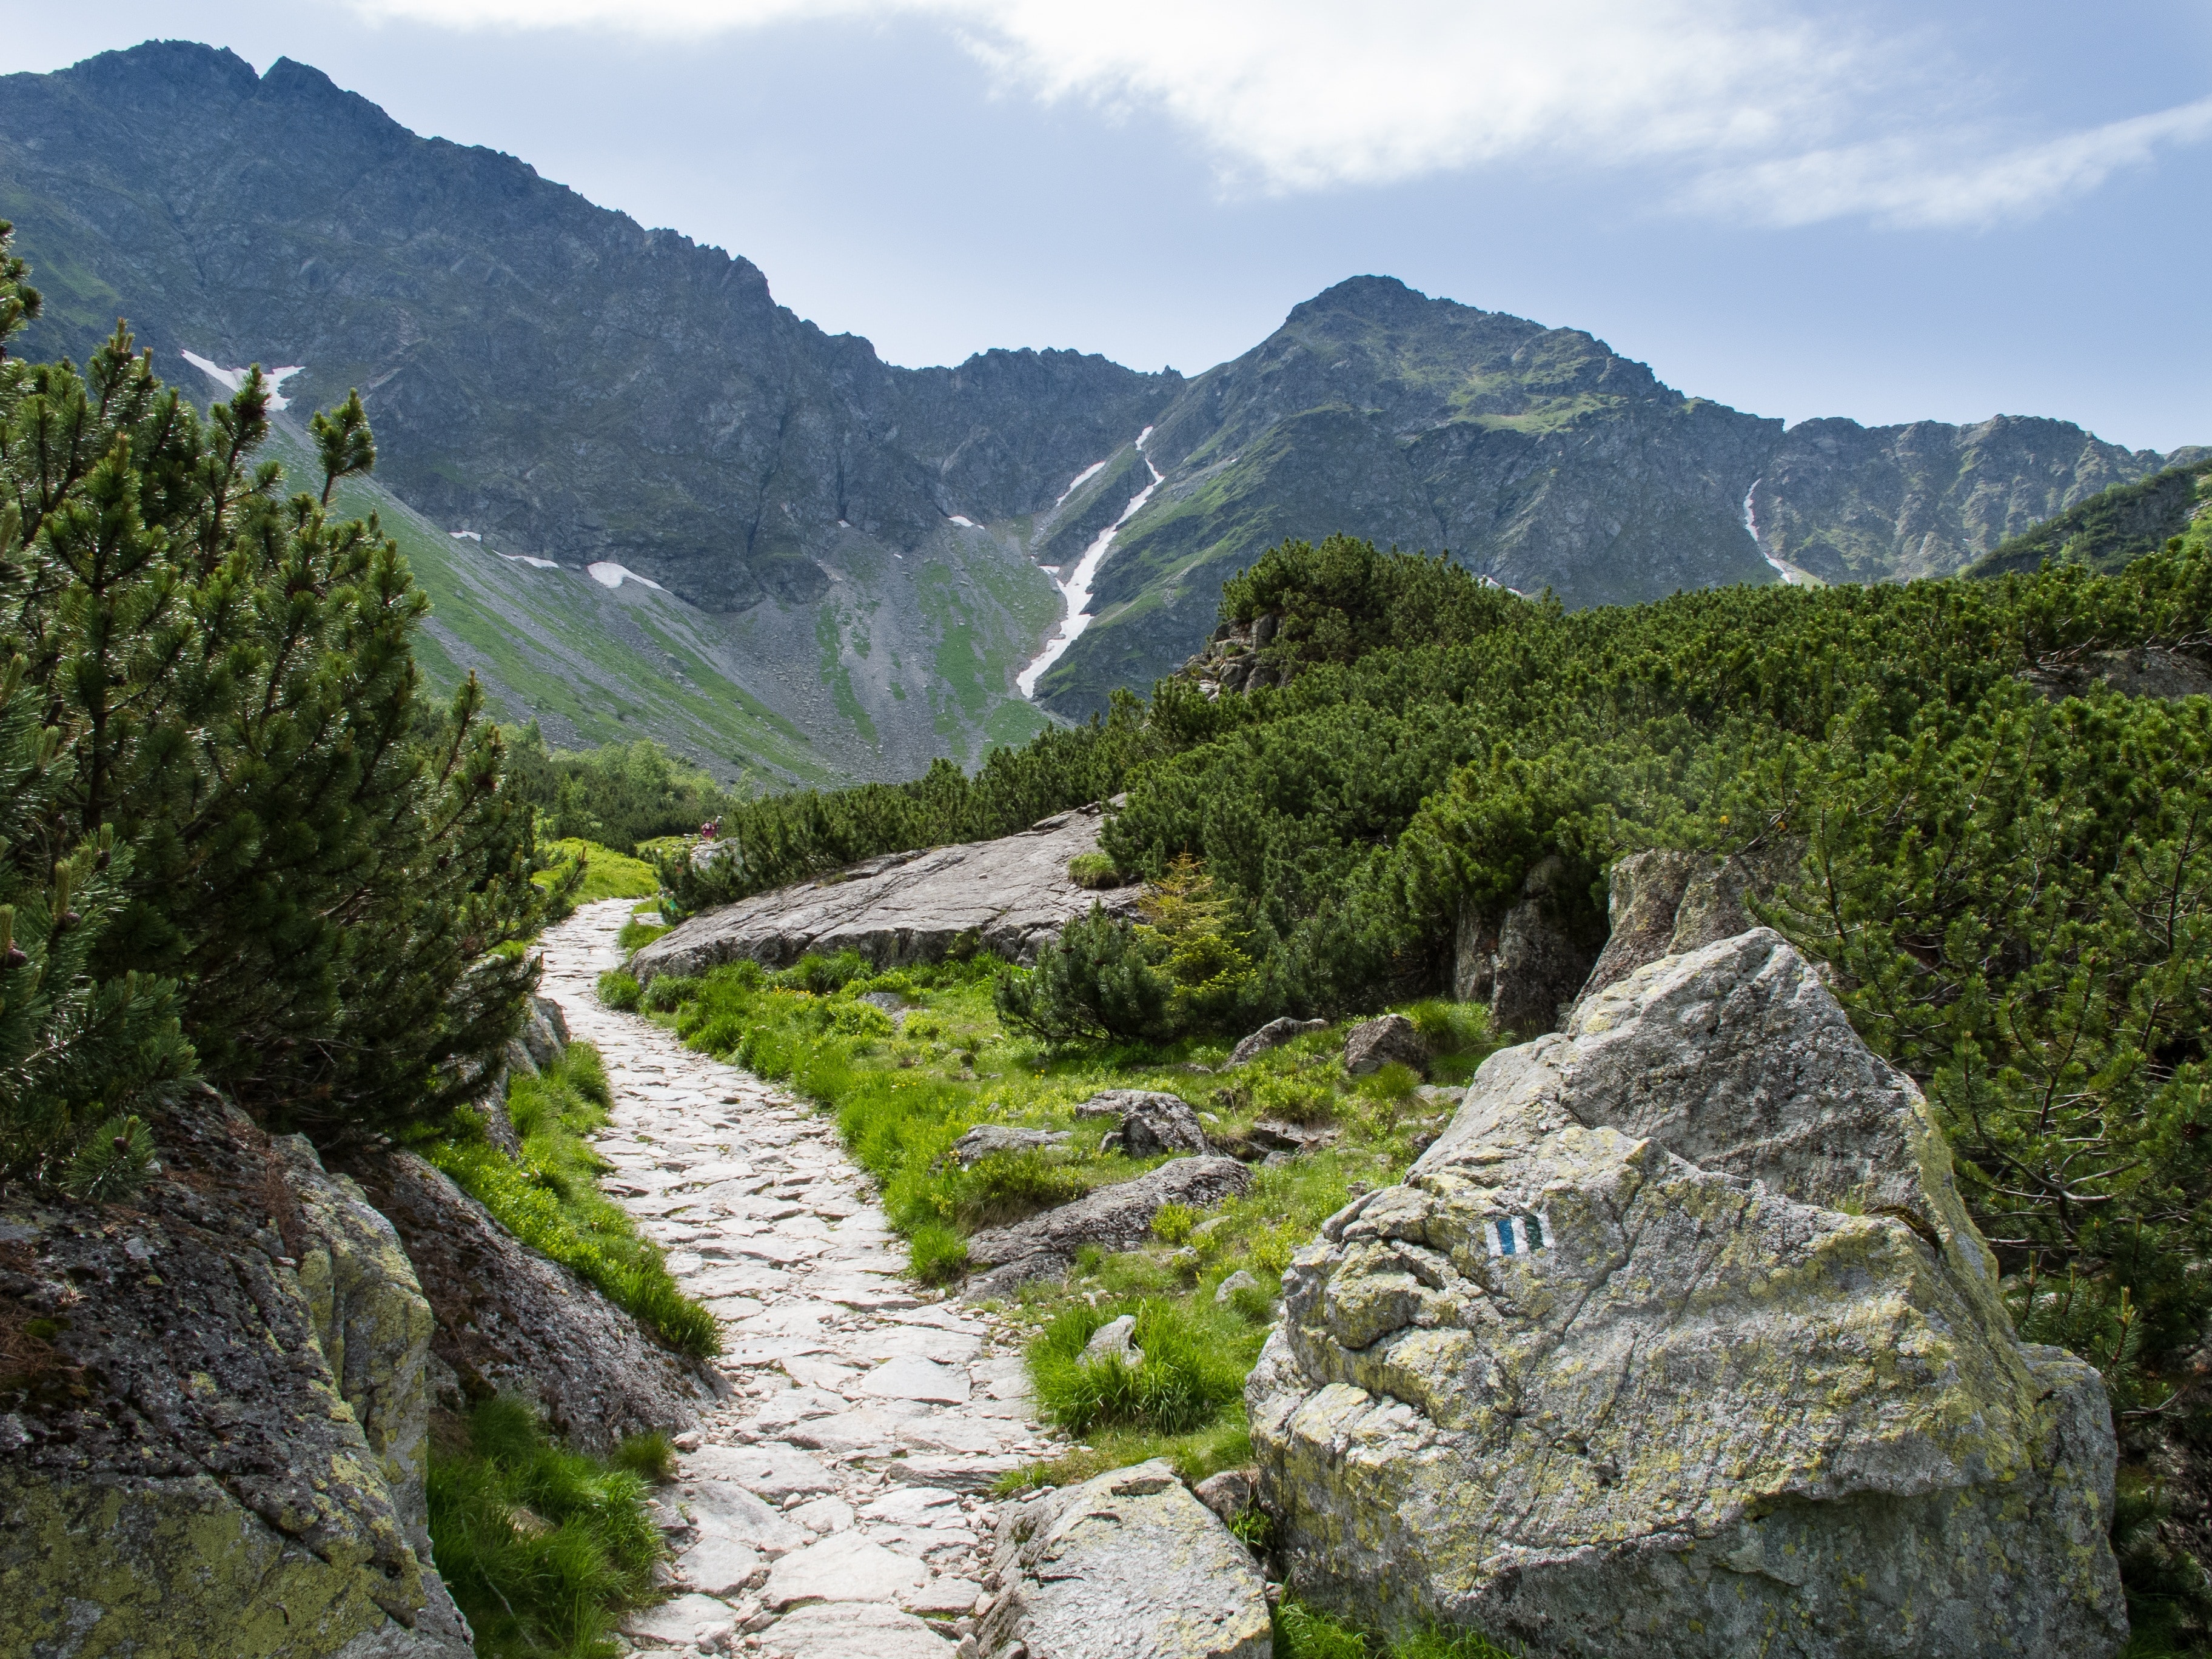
(1680, 1345)
(217, 1434)
(1011, 894)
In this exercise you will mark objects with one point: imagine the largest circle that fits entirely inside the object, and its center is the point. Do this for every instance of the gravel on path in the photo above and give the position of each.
(835, 1503)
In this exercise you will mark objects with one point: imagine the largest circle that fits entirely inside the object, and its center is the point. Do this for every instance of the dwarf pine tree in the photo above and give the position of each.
(228, 773)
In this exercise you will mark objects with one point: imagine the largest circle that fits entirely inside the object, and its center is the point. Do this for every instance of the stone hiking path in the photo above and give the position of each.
(833, 1505)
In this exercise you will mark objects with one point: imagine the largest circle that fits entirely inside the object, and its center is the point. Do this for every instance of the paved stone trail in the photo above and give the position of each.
(831, 1507)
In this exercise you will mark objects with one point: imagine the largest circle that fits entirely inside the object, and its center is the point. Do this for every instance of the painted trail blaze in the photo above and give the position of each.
(1514, 1235)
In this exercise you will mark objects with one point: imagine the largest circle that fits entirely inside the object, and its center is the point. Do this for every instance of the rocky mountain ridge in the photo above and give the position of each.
(569, 385)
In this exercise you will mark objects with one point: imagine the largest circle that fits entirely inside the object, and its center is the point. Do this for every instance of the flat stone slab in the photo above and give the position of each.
(1088, 1568)
(1013, 893)
(679, 1622)
(843, 1567)
(767, 1470)
(1115, 1217)
(722, 1509)
(910, 1377)
(858, 1630)
(718, 1566)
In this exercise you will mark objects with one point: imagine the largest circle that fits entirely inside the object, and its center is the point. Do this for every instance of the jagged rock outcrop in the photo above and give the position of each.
(1011, 895)
(1229, 661)
(1151, 1122)
(1664, 902)
(1125, 1564)
(1680, 1345)
(2149, 671)
(1115, 1217)
(215, 1426)
(511, 1321)
(1530, 963)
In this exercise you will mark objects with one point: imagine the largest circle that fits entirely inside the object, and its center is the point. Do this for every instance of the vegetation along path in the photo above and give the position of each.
(835, 1503)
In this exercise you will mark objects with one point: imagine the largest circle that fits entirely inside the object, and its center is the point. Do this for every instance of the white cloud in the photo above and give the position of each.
(1762, 113)
(1946, 179)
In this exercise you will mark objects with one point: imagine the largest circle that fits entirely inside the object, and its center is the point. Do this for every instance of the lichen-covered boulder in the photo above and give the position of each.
(1152, 1121)
(1127, 1565)
(214, 1437)
(1664, 902)
(1680, 1345)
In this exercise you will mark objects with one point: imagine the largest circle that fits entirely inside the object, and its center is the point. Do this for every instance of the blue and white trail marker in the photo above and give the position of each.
(1514, 1235)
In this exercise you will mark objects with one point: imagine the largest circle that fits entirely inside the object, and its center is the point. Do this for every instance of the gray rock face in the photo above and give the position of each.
(1127, 1565)
(222, 1444)
(510, 1321)
(985, 1138)
(1152, 1122)
(1273, 1034)
(1013, 894)
(1680, 1343)
(1664, 902)
(2150, 670)
(1389, 1040)
(1115, 1217)
(1527, 964)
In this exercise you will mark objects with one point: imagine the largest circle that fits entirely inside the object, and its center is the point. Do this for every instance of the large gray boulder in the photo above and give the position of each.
(1115, 1217)
(1013, 894)
(1680, 1345)
(1126, 1566)
(217, 1430)
(511, 1321)
(1386, 1040)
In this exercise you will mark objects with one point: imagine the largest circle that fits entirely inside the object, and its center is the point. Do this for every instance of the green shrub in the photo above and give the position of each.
(1171, 1223)
(1092, 982)
(541, 1547)
(1094, 870)
(1189, 1373)
(635, 935)
(938, 1254)
(618, 990)
(823, 975)
(1392, 1081)
(651, 1456)
(235, 840)
(1452, 1028)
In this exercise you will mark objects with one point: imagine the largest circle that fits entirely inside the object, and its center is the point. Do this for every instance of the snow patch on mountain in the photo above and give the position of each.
(607, 574)
(230, 380)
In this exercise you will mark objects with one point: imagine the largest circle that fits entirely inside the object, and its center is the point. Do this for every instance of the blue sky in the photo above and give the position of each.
(1880, 210)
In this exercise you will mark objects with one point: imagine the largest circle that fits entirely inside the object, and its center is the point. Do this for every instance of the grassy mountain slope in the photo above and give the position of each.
(2112, 526)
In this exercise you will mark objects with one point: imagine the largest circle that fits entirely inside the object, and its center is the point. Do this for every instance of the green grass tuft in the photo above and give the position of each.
(541, 1547)
(1190, 1371)
(552, 1200)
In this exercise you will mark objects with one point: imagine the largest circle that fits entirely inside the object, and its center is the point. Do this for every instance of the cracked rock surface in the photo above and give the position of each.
(1680, 1344)
(1013, 894)
(834, 1505)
